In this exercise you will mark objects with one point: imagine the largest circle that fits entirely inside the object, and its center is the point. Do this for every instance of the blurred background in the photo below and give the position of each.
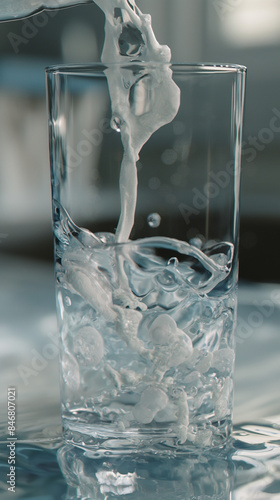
(233, 31)
(246, 32)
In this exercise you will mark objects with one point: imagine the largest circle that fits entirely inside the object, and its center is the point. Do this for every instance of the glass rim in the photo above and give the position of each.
(86, 69)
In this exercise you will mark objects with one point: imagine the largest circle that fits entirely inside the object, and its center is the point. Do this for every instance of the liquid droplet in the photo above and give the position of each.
(116, 123)
(154, 220)
(167, 281)
(173, 262)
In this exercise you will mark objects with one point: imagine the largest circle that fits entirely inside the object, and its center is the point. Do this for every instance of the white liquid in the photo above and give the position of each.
(156, 97)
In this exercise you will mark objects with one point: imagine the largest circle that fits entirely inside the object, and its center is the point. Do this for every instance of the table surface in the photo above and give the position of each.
(29, 362)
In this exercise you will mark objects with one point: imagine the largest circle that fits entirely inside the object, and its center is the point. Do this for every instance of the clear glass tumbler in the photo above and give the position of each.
(145, 171)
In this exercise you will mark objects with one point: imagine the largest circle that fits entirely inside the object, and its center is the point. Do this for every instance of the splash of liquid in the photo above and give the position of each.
(142, 101)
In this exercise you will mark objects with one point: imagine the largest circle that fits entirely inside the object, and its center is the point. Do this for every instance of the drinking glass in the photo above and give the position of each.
(206, 475)
(145, 171)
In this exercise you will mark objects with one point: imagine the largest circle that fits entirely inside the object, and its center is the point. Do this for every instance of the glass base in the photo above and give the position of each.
(103, 441)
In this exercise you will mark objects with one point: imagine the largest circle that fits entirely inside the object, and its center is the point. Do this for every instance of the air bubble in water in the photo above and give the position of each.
(193, 392)
(68, 301)
(167, 280)
(126, 84)
(154, 220)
